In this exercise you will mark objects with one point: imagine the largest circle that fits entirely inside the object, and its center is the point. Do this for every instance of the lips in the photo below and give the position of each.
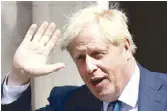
(96, 80)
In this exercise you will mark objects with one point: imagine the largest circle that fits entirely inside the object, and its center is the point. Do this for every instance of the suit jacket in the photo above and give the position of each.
(152, 96)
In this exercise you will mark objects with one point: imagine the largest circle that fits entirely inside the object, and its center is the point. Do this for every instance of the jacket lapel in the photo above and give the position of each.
(151, 97)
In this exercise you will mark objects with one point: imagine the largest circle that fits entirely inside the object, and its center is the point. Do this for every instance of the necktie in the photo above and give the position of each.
(114, 106)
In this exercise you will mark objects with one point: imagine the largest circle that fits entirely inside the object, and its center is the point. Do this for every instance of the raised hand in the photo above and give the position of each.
(30, 59)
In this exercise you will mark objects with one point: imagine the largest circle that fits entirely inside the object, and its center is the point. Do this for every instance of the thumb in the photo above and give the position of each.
(54, 67)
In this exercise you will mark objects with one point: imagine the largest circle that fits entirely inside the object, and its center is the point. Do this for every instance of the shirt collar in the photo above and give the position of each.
(130, 93)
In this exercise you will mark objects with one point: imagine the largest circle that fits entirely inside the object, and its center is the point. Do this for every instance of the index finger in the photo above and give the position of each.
(30, 32)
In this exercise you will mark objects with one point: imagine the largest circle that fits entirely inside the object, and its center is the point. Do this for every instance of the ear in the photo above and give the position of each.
(127, 49)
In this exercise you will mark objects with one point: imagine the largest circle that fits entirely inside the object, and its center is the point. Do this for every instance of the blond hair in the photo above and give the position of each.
(112, 23)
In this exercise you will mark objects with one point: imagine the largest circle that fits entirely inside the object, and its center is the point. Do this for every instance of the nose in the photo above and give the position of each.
(90, 65)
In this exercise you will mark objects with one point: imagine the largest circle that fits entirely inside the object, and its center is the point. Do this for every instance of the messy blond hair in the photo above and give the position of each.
(112, 23)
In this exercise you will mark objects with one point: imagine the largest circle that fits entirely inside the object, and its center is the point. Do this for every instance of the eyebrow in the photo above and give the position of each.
(82, 51)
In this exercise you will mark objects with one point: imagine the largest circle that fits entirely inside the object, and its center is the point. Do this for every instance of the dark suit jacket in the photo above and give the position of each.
(152, 96)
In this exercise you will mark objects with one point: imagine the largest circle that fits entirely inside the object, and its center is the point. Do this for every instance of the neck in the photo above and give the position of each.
(128, 70)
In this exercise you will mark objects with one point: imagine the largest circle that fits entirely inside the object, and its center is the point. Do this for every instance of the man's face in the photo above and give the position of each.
(100, 64)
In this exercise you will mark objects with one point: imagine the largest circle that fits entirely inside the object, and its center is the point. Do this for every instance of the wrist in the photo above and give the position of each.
(17, 78)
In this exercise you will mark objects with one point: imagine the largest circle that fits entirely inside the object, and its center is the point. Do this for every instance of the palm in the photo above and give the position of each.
(32, 55)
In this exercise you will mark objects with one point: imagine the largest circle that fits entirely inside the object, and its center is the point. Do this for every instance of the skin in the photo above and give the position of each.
(97, 59)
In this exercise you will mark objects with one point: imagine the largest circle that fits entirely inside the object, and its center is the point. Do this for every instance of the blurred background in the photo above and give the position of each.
(147, 23)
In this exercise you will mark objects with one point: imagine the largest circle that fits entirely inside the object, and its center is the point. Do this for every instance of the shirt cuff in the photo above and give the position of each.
(12, 93)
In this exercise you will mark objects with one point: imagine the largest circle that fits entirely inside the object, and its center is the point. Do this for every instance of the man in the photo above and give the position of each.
(102, 48)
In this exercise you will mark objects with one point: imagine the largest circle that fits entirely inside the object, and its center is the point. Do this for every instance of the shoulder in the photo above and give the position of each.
(158, 76)
(63, 90)
(148, 73)
(149, 77)
(60, 94)
(161, 76)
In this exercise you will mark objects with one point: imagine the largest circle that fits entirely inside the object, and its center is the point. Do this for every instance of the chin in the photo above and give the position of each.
(107, 95)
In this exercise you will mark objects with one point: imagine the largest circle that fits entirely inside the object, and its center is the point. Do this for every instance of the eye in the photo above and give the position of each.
(98, 55)
(81, 57)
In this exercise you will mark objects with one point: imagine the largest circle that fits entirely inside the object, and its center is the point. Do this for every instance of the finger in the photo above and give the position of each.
(40, 31)
(48, 33)
(53, 67)
(52, 42)
(30, 32)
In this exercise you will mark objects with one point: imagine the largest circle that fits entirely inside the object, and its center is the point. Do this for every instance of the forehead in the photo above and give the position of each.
(89, 38)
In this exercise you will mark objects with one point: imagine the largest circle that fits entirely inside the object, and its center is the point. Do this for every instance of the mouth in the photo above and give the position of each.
(96, 81)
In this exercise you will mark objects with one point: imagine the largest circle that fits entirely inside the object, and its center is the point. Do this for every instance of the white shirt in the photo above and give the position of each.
(129, 96)
(12, 93)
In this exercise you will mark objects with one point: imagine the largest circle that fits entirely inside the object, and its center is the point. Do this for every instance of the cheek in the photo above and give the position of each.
(113, 77)
(113, 69)
(113, 60)
(117, 79)
(80, 68)
(112, 66)
(82, 72)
